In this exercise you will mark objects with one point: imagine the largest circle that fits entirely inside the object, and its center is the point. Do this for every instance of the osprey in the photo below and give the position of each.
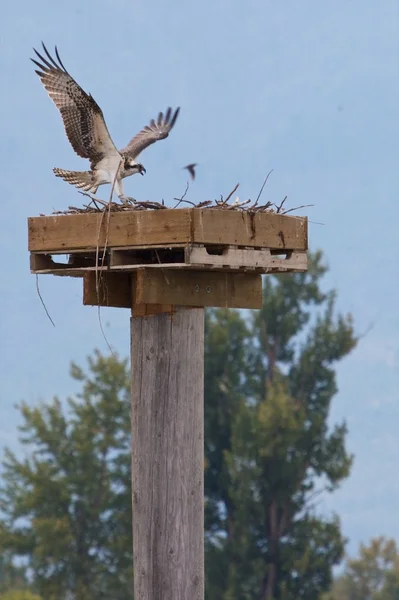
(88, 134)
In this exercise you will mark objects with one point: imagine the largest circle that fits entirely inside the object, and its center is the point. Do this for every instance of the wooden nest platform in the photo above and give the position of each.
(153, 260)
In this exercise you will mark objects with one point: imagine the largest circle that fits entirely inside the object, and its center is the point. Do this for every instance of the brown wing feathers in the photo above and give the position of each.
(83, 118)
(156, 130)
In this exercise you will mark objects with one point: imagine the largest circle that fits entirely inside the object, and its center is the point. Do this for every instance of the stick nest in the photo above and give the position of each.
(96, 205)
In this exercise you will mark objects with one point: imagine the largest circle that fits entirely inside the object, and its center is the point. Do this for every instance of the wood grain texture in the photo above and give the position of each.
(150, 291)
(113, 289)
(167, 227)
(86, 231)
(167, 455)
(198, 288)
(241, 228)
(245, 257)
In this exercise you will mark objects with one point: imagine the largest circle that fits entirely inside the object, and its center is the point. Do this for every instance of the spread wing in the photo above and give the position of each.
(156, 130)
(83, 118)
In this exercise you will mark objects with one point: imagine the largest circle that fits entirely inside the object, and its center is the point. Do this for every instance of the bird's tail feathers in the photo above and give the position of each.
(80, 179)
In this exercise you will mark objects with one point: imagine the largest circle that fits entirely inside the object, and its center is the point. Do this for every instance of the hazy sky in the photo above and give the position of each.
(308, 88)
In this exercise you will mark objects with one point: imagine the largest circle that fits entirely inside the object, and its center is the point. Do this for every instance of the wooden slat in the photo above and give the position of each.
(69, 233)
(115, 289)
(240, 257)
(66, 232)
(80, 272)
(240, 228)
(194, 288)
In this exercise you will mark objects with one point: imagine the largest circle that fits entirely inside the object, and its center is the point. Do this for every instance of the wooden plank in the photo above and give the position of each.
(69, 233)
(198, 288)
(240, 228)
(240, 257)
(136, 247)
(80, 272)
(115, 289)
(167, 455)
(66, 232)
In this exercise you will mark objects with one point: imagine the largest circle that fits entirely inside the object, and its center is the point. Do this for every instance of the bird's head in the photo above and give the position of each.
(132, 167)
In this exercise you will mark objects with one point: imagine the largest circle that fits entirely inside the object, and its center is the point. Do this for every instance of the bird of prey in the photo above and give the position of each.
(191, 169)
(88, 134)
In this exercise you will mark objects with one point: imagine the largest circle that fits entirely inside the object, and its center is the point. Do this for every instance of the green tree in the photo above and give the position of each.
(374, 575)
(11, 577)
(269, 450)
(67, 504)
(19, 595)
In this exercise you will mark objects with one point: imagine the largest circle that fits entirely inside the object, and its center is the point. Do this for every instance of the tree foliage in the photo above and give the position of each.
(67, 504)
(19, 595)
(269, 382)
(269, 385)
(11, 577)
(374, 575)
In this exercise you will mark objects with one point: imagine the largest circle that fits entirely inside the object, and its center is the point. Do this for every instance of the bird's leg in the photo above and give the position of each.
(126, 200)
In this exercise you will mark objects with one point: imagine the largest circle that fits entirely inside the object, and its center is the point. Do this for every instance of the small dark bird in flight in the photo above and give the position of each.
(191, 169)
(88, 134)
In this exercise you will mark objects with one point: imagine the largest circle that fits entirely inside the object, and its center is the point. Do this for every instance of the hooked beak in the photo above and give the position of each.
(142, 170)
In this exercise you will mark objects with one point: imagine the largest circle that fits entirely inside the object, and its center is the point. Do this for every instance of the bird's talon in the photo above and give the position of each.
(127, 200)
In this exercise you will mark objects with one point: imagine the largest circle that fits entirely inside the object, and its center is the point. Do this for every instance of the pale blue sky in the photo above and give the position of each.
(308, 88)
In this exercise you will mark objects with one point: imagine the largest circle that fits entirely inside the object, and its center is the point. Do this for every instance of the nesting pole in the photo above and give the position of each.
(167, 455)
(166, 266)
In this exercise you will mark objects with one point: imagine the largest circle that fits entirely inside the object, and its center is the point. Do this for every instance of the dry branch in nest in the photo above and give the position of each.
(97, 205)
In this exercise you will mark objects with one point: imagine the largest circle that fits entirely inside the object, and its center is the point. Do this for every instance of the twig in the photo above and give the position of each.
(97, 199)
(92, 201)
(281, 205)
(185, 202)
(150, 204)
(261, 189)
(42, 301)
(238, 204)
(261, 208)
(296, 208)
(163, 270)
(204, 203)
(183, 196)
(99, 273)
(230, 195)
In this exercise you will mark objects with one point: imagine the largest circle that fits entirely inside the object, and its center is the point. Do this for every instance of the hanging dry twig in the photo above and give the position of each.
(162, 270)
(99, 272)
(42, 301)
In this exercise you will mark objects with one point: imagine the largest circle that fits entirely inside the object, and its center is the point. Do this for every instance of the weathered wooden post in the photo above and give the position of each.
(166, 266)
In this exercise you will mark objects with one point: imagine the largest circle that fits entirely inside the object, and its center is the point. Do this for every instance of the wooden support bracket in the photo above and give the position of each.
(150, 291)
(198, 288)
